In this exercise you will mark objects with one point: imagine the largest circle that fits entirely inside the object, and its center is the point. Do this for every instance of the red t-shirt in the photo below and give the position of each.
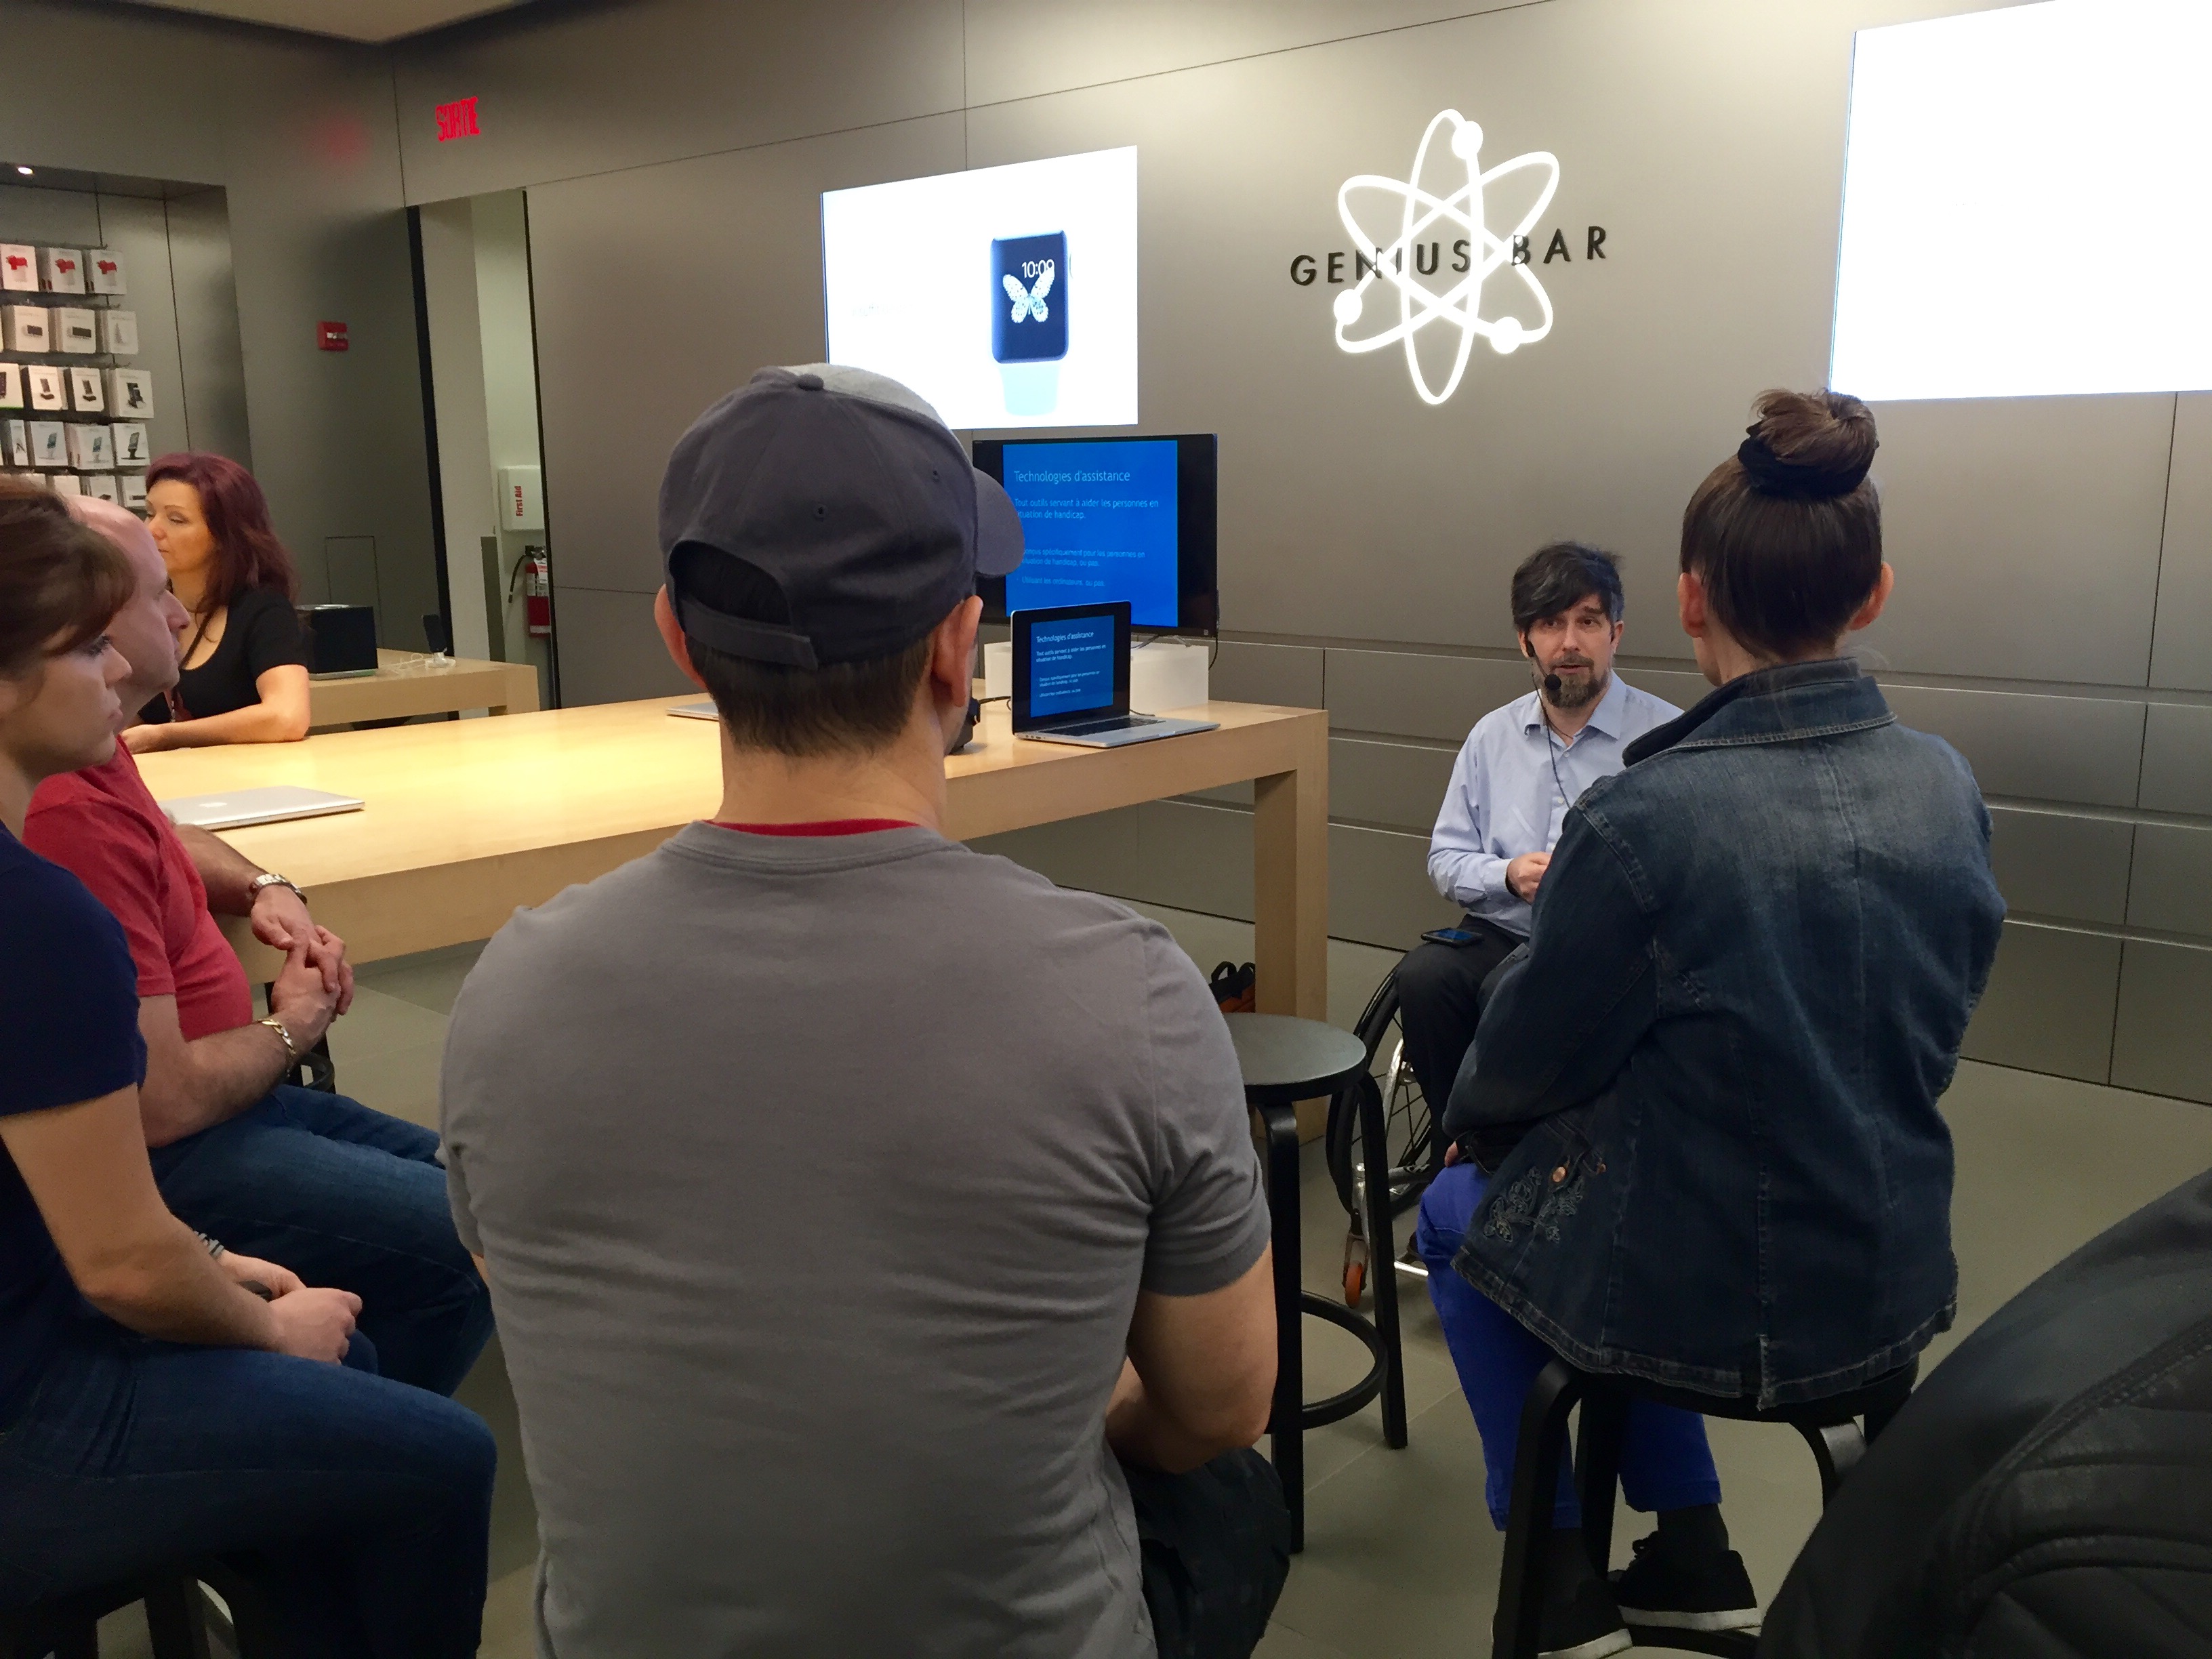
(102, 824)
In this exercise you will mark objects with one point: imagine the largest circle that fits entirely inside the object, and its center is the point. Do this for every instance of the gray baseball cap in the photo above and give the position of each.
(849, 495)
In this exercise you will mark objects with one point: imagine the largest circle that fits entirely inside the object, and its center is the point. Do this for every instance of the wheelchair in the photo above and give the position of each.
(1414, 1149)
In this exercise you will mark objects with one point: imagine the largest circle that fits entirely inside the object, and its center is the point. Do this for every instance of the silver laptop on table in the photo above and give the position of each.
(238, 808)
(1072, 679)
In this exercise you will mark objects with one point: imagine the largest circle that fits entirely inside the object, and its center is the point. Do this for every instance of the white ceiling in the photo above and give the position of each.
(373, 20)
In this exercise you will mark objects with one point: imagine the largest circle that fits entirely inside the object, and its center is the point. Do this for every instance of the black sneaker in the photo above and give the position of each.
(1580, 1621)
(1708, 1592)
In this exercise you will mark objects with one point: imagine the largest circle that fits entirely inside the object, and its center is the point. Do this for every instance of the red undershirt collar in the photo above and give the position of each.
(825, 827)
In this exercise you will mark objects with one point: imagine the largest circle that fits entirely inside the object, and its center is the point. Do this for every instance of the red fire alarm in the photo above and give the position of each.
(329, 337)
(457, 120)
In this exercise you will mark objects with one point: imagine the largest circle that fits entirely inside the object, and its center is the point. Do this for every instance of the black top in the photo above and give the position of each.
(68, 1032)
(262, 632)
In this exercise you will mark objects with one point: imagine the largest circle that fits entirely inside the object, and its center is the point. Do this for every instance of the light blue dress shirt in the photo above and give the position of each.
(1504, 800)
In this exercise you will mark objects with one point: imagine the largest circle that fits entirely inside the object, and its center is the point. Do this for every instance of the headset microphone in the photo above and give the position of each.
(1552, 684)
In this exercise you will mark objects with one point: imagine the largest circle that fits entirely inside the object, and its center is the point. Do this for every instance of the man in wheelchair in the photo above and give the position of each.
(1520, 769)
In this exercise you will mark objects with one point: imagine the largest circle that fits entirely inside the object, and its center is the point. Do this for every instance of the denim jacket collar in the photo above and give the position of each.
(1782, 704)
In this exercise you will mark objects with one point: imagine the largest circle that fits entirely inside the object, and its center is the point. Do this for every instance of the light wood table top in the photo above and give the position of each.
(467, 819)
(407, 684)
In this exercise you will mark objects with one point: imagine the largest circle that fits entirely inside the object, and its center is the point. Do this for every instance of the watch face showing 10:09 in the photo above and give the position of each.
(1029, 298)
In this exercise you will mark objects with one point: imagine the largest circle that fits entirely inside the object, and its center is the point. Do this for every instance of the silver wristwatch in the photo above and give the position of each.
(270, 878)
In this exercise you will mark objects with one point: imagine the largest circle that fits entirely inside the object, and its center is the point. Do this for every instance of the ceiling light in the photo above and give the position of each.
(26, 172)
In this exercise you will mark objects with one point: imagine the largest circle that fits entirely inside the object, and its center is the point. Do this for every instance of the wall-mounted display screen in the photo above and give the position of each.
(1132, 520)
(1007, 296)
(2025, 198)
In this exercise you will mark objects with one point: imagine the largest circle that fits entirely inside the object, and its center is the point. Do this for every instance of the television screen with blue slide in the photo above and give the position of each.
(1111, 519)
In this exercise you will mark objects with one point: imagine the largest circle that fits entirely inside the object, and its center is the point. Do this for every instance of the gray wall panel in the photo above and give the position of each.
(2072, 749)
(2181, 648)
(1098, 854)
(2161, 1045)
(610, 651)
(1378, 888)
(2171, 890)
(1415, 696)
(1287, 674)
(2054, 864)
(212, 356)
(2176, 768)
(1683, 689)
(630, 352)
(2049, 1006)
(1387, 783)
(2025, 532)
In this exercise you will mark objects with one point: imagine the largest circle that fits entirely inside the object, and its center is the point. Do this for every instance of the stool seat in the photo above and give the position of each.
(1283, 1061)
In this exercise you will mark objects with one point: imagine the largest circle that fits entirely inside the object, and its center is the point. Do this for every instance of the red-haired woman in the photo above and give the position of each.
(245, 675)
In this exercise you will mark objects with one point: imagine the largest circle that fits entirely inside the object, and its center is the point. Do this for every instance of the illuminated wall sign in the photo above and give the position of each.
(457, 120)
(1431, 288)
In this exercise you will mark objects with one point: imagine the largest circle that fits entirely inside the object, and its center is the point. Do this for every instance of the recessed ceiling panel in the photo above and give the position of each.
(373, 20)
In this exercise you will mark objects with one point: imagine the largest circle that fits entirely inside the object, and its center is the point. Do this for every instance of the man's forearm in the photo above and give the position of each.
(221, 1075)
(1140, 1433)
(176, 1293)
(226, 873)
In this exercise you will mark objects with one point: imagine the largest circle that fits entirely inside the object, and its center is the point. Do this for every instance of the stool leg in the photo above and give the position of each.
(1383, 1252)
(1287, 1427)
(1519, 1623)
(1837, 1449)
(1597, 1468)
(176, 1623)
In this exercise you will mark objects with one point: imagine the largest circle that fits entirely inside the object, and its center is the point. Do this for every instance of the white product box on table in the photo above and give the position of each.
(1165, 674)
(85, 394)
(11, 385)
(18, 268)
(90, 448)
(77, 330)
(30, 328)
(103, 271)
(49, 446)
(61, 270)
(47, 385)
(120, 332)
(132, 447)
(134, 490)
(131, 392)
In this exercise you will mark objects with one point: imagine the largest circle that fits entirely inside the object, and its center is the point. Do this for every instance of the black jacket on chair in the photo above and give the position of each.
(2047, 1493)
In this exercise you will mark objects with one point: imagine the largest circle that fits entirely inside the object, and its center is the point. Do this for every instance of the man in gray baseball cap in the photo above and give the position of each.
(874, 1228)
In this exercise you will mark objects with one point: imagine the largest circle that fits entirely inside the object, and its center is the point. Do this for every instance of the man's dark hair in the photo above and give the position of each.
(848, 707)
(1559, 577)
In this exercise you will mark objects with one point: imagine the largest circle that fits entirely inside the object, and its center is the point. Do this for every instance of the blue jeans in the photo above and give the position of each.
(347, 1197)
(360, 1507)
(1665, 1463)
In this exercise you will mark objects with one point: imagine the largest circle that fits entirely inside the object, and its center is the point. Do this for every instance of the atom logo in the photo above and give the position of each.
(1459, 307)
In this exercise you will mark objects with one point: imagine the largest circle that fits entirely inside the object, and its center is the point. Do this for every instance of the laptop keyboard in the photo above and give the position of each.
(1112, 723)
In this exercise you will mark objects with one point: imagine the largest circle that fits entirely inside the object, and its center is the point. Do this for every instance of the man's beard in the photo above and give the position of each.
(1579, 692)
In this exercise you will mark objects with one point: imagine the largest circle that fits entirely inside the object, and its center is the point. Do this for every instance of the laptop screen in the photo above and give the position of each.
(1070, 660)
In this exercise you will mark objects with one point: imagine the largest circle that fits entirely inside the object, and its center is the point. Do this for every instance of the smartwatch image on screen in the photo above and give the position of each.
(1028, 319)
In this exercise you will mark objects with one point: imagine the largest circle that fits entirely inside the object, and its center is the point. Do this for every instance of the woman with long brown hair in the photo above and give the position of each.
(245, 677)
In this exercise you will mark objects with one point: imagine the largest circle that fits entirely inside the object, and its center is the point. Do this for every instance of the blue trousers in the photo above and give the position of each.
(347, 1197)
(360, 1507)
(1665, 1463)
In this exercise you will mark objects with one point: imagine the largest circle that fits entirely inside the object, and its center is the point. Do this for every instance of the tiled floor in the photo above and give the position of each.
(1401, 1557)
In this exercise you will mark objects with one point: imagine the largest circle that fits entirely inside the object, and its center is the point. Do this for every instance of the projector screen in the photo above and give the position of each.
(1007, 296)
(2027, 205)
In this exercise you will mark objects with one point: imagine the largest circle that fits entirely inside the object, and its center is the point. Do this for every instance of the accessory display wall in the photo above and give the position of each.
(75, 360)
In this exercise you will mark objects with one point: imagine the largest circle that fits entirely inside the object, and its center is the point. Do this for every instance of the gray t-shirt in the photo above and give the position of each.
(817, 1177)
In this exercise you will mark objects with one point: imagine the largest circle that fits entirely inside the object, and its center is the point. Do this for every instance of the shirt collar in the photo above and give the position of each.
(1606, 717)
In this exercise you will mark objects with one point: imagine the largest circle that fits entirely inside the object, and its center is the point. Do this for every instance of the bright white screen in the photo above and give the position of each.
(911, 289)
(2027, 203)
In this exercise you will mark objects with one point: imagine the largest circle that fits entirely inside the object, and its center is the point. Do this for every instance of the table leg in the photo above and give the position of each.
(1290, 869)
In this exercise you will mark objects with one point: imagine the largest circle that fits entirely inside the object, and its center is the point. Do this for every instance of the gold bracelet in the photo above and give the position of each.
(283, 1036)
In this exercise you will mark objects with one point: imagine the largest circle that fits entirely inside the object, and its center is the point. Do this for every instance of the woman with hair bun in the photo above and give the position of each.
(245, 677)
(1754, 959)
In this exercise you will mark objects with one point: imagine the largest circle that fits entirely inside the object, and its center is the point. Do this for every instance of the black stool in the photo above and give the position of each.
(178, 1616)
(1284, 1060)
(1830, 1427)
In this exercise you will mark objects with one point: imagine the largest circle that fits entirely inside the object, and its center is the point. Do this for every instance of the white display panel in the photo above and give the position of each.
(913, 287)
(2027, 203)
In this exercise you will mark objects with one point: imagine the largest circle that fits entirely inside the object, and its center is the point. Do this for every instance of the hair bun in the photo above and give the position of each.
(1809, 446)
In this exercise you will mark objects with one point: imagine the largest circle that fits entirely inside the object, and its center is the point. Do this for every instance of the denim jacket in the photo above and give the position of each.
(1755, 955)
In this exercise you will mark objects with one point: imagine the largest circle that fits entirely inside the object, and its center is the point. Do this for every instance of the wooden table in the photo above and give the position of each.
(467, 819)
(405, 684)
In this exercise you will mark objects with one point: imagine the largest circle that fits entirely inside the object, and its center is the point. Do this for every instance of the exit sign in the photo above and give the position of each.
(457, 120)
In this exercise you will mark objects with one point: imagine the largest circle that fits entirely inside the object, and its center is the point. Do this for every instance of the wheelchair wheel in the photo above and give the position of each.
(1409, 1129)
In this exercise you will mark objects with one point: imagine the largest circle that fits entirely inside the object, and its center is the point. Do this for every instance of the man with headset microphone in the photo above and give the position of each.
(1520, 769)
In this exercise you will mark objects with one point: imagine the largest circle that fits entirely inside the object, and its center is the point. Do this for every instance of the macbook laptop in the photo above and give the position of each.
(1072, 679)
(701, 710)
(240, 807)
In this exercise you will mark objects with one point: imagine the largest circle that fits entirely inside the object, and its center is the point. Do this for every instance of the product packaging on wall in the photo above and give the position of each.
(18, 436)
(61, 270)
(91, 447)
(18, 268)
(11, 385)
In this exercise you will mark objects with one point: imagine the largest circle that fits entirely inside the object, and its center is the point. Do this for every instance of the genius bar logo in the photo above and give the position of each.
(1439, 262)
(457, 120)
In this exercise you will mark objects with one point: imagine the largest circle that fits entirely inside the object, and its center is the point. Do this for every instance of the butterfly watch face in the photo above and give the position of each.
(1029, 298)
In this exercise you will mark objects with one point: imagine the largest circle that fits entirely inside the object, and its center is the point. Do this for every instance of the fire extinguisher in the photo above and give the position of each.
(535, 575)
